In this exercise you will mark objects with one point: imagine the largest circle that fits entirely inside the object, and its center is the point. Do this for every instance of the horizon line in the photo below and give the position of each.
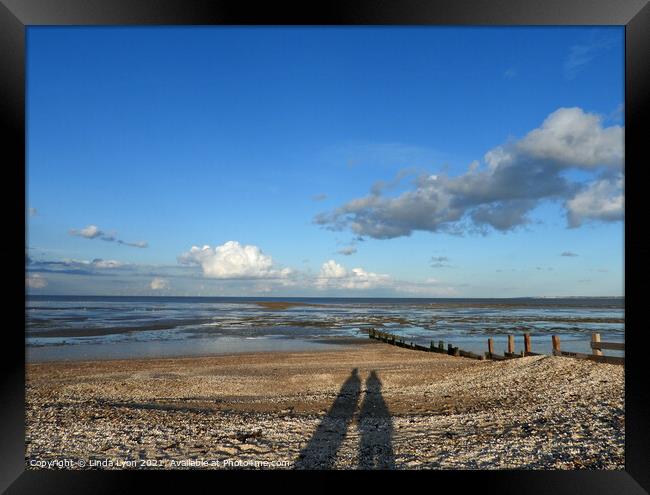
(326, 297)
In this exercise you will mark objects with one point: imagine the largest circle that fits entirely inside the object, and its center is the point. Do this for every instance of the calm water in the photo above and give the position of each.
(76, 327)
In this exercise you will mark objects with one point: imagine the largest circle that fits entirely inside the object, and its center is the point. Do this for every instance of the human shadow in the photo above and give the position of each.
(320, 452)
(375, 427)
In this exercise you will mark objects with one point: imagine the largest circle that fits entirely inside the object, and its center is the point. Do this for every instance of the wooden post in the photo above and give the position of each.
(441, 344)
(511, 344)
(527, 344)
(595, 339)
(556, 343)
(490, 346)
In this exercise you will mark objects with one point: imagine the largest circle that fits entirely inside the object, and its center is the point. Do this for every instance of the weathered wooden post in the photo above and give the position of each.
(526, 343)
(453, 351)
(511, 344)
(490, 346)
(595, 339)
(556, 344)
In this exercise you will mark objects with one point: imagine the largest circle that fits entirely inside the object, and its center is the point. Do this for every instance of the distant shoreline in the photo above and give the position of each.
(300, 298)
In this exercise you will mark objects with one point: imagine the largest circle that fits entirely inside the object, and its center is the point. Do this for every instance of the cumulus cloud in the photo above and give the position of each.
(94, 232)
(602, 200)
(335, 276)
(159, 284)
(500, 193)
(571, 137)
(89, 232)
(568, 254)
(35, 281)
(233, 261)
(331, 269)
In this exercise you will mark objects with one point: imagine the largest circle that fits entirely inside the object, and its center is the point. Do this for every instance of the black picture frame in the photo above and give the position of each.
(16, 15)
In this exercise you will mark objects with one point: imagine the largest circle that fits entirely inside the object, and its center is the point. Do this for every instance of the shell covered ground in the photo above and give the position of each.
(371, 406)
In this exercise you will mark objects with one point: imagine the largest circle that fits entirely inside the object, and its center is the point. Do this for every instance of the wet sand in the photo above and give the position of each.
(365, 406)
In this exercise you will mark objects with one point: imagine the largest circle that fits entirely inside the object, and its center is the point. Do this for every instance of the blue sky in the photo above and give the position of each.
(405, 161)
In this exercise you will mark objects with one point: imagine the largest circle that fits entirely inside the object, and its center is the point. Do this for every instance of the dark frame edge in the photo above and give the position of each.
(12, 365)
(13, 476)
(637, 112)
(376, 12)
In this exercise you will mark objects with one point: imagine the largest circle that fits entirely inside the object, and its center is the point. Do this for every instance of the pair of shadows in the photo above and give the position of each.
(374, 424)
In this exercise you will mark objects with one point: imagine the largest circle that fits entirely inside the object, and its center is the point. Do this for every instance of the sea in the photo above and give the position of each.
(63, 328)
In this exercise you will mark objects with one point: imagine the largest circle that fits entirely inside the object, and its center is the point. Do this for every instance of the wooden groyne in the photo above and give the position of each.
(596, 345)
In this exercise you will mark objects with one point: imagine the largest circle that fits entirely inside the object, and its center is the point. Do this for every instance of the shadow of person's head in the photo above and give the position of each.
(373, 383)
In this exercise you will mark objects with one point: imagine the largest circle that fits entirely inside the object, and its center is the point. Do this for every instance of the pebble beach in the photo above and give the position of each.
(362, 406)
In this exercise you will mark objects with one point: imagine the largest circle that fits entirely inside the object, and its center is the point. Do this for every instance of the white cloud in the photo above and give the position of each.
(35, 281)
(94, 232)
(68, 265)
(100, 263)
(516, 178)
(89, 232)
(601, 200)
(32, 212)
(331, 269)
(159, 284)
(335, 276)
(138, 244)
(233, 261)
(571, 137)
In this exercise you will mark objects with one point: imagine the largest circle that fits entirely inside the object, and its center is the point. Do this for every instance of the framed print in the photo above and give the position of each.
(279, 241)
